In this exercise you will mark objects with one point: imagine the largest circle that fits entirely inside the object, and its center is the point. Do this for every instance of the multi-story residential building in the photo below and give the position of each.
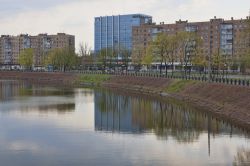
(217, 35)
(116, 31)
(5, 49)
(11, 46)
(43, 43)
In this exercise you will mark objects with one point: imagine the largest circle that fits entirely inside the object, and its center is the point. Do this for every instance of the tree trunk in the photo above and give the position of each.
(161, 65)
(166, 74)
(172, 66)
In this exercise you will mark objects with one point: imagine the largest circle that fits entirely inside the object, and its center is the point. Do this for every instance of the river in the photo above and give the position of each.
(55, 126)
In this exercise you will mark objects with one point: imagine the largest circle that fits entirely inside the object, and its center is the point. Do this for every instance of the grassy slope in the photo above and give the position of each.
(179, 85)
(92, 79)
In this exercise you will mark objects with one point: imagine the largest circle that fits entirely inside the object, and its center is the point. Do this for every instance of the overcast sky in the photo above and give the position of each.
(76, 17)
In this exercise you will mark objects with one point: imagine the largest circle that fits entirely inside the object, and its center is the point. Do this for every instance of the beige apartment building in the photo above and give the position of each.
(11, 46)
(217, 34)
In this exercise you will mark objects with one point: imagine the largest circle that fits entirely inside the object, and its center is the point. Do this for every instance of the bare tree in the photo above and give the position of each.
(84, 49)
(85, 54)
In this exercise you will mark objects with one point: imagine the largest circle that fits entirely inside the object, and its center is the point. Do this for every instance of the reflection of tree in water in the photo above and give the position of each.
(171, 118)
(10, 89)
(44, 91)
(168, 119)
(242, 158)
(59, 108)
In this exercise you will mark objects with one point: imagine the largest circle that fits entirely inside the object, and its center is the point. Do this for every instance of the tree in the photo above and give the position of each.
(243, 41)
(104, 56)
(159, 48)
(148, 59)
(189, 44)
(26, 58)
(85, 55)
(246, 32)
(84, 49)
(200, 61)
(245, 59)
(125, 53)
(217, 62)
(174, 46)
(245, 62)
(138, 54)
(62, 59)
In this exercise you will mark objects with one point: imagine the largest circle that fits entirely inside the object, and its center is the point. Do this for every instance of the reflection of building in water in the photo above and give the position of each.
(122, 113)
(171, 119)
(112, 113)
(9, 89)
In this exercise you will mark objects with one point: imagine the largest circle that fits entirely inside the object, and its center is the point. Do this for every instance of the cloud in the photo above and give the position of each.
(77, 17)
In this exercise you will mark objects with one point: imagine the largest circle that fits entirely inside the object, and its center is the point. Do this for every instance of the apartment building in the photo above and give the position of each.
(12, 46)
(217, 34)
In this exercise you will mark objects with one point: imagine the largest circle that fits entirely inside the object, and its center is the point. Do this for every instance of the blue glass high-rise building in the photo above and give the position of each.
(116, 31)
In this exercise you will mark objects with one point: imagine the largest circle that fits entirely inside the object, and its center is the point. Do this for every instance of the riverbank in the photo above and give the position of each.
(229, 102)
(62, 79)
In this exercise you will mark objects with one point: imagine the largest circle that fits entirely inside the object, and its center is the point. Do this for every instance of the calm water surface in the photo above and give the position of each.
(42, 126)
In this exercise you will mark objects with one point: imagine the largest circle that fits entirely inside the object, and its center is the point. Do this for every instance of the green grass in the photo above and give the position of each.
(179, 85)
(25, 91)
(92, 79)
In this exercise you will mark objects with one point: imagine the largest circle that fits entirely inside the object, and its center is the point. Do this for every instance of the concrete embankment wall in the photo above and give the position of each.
(41, 78)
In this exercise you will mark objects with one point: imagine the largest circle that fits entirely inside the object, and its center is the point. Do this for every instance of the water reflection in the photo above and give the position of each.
(16, 95)
(132, 114)
(57, 126)
(118, 113)
(59, 108)
(10, 89)
(242, 157)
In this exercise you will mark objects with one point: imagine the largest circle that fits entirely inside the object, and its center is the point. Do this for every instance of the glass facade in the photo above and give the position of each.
(116, 31)
(7, 58)
(226, 39)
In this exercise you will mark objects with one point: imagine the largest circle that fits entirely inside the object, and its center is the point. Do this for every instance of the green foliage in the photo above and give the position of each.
(160, 46)
(125, 53)
(62, 59)
(148, 59)
(138, 54)
(104, 57)
(92, 79)
(169, 48)
(26, 58)
(179, 85)
(200, 60)
(245, 61)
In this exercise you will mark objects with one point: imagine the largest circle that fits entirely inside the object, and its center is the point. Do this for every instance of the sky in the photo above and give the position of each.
(76, 17)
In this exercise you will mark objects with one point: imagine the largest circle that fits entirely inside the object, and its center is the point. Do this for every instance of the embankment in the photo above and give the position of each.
(58, 79)
(229, 102)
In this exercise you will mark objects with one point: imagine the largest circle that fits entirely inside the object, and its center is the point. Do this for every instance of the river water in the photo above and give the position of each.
(48, 126)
